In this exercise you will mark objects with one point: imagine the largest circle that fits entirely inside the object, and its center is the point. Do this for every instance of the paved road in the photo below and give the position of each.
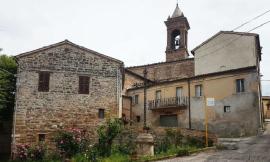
(254, 149)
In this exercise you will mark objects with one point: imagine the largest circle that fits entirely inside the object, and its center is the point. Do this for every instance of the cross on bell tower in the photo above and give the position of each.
(177, 36)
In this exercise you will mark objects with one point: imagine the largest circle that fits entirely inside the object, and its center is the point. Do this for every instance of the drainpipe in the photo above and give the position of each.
(189, 113)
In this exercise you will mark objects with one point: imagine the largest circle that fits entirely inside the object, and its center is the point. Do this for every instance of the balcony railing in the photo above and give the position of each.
(172, 102)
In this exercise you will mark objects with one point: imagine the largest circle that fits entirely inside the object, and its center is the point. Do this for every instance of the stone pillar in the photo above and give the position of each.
(145, 144)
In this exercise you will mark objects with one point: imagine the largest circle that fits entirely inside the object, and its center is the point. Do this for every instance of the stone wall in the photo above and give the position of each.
(167, 70)
(62, 107)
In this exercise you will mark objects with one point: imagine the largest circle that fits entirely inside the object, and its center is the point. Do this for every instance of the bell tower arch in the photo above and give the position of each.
(177, 34)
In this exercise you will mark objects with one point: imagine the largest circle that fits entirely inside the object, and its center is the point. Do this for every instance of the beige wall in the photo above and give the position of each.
(220, 55)
(241, 121)
(266, 112)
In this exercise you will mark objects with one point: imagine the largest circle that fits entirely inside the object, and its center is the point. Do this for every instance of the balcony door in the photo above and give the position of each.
(168, 120)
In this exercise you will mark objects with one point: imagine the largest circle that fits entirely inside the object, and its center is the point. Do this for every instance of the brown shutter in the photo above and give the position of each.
(84, 85)
(44, 81)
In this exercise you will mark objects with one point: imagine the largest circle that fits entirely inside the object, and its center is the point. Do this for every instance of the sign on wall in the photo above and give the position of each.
(210, 102)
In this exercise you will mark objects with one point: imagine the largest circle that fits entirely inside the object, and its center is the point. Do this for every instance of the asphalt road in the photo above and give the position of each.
(253, 149)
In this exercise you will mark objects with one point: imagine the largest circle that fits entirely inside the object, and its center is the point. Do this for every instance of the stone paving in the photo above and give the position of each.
(253, 149)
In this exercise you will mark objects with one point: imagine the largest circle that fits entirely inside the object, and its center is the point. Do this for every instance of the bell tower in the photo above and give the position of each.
(177, 36)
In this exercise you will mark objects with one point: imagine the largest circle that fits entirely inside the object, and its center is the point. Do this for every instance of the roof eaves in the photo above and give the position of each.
(70, 43)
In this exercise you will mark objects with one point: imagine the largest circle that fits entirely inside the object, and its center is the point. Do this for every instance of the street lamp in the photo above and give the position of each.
(145, 98)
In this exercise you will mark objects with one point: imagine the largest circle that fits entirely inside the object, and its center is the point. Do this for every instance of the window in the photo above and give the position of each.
(138, 119)
(240, 85)
(179, 92)
(43, 81)
(268, 106)
(198, 90)
(101, 113)
(135, 99)
(227, 109)
(41, 137)
(175, 39)
(84, 84)
(158, 95)
(168, 121)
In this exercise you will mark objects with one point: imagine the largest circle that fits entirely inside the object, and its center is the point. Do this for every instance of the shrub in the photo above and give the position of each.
(22, 152)
(183, 152)
(70, 142)
(106, 134)
(171, 138)
(126, 143)
(26, 153)
(37, 152)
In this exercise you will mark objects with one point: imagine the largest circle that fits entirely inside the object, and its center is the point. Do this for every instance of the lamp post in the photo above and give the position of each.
(145, 97)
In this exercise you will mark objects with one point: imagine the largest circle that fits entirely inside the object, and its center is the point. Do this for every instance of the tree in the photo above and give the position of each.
(8, 69)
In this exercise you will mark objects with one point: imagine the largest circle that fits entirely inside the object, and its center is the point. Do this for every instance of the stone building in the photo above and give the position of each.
(65, 85)
(224, 70)
(266, 107)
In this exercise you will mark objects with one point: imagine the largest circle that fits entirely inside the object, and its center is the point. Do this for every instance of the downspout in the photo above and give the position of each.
(189, 112)
(13, 143)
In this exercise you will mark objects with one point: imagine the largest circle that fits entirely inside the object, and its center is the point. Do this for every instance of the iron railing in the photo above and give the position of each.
(172, 102)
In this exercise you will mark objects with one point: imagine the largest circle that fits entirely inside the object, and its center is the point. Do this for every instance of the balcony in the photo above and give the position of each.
(168, 103)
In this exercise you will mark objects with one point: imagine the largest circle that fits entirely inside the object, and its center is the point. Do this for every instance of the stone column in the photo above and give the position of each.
(145, 144)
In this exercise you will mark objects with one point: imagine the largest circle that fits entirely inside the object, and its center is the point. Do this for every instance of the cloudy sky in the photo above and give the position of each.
(129, 30)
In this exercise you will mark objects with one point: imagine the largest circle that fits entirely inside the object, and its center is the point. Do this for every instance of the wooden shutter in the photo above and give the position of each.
(44, 82)
(84, 84)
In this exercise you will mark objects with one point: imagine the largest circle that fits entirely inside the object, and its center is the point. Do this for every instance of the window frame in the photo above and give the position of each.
(44, 81)
(240, 85)
(135, 99)
(138, 118)
(201, 90)
(84, 83)
(181, 90)
(41, 137)
(227, 109)
(156, 95)
(101, 113)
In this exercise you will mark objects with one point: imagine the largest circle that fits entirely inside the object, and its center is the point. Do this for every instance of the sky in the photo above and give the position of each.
(130, 30)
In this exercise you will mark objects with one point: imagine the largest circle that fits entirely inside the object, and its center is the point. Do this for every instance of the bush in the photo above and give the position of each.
(27, 153)
(198, 141)
(126, 143)
(183, 152)
(106, 134)
(70, 142)
(22, 152)
(37, 152)
(171, 138)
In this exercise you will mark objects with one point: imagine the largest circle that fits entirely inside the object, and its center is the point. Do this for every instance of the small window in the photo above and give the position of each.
(227, 109)
(179, 92)
(135, 99)
(43, 81)
(198, 90)
(84, 84)
(101, 113)
(240, 85)
(158, 95)
(41, 137)
(138, 119)
(268, 106)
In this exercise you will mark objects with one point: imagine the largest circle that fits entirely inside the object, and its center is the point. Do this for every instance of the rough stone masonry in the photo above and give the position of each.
(41, 114)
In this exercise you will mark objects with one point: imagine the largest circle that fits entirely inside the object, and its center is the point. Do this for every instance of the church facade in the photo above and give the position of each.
(219, 86)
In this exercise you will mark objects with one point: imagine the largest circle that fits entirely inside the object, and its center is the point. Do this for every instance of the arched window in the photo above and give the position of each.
(176, 39)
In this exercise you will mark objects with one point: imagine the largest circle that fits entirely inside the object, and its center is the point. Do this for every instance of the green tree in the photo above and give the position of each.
(8, 69)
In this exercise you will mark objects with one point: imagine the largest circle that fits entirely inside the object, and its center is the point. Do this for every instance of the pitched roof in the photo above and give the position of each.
(177, 12)
(137, 75)
(224, 32)
(266, 97)
(69, 43)
(158, 63)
